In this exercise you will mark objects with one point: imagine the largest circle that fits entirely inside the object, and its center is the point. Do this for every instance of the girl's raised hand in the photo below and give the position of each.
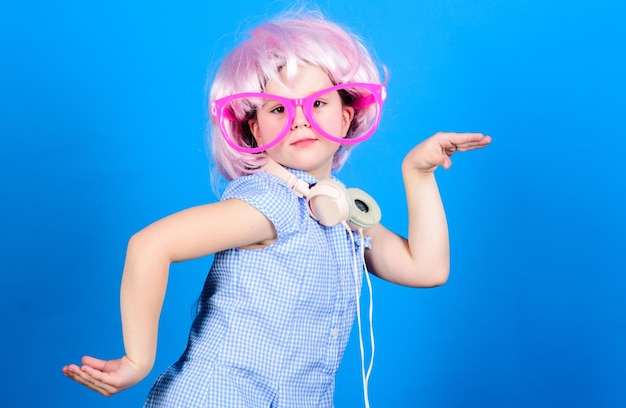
(437, 149)
(105, 377)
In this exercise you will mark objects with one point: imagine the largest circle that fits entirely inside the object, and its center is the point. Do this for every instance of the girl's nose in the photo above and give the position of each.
(299, 119)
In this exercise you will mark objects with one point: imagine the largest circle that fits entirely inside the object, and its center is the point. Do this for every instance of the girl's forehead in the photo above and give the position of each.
(305, 81)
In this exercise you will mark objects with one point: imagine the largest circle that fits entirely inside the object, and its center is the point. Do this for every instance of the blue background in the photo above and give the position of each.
(102, 115)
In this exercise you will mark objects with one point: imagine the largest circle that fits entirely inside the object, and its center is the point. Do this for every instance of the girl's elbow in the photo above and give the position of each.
(430, 277)
(144, 243)
(441, 278)
(441, 273)
(138, 243)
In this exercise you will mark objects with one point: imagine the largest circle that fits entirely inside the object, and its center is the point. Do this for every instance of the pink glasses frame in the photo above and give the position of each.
(378, 95)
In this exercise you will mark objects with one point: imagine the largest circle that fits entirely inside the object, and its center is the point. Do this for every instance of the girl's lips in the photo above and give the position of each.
(304, 142)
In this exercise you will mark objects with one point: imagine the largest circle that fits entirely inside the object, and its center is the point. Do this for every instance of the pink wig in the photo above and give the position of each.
(284, 44)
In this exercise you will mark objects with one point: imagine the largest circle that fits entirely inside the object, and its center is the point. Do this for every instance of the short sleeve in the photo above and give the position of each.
(270, 196)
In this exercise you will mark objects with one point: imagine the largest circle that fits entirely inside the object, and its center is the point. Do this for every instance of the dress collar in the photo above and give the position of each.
(303, 175)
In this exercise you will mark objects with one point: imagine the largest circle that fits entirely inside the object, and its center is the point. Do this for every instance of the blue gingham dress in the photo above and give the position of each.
(272, 323)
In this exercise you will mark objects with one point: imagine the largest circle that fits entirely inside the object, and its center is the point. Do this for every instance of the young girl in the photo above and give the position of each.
(278, 305)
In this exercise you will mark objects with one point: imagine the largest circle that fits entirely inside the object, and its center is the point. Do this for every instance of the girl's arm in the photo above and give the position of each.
(189, 234)
(422, 260)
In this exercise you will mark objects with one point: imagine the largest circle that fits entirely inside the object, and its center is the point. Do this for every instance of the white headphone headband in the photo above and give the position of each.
(330, 203)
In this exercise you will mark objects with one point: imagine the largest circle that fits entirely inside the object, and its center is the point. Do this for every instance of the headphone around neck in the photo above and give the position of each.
(329, 202)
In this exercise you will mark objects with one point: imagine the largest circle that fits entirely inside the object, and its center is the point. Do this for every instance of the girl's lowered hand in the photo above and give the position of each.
(105, 377)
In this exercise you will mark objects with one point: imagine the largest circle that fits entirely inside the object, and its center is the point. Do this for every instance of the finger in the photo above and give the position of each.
(104, 382)
(442, 155)
(446, 163)
(468, 147)
(91, 375)
(461, 142)
(71, 370)
(450, 148)
(102, 388)
(96, 363)
(463, 146)
(77, 374)
(96, 374)
(97, 381)
(459, 136)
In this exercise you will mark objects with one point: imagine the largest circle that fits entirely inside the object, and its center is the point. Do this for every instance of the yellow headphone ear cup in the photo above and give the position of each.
(364, 211)
(328, 203)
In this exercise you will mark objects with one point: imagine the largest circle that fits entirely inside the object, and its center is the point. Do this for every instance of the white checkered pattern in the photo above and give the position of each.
(272, 323)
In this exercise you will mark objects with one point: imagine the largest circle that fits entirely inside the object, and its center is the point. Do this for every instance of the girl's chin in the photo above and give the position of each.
(314, 167)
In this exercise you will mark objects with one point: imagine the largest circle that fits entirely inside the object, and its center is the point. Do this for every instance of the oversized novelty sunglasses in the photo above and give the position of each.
(233, 113)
